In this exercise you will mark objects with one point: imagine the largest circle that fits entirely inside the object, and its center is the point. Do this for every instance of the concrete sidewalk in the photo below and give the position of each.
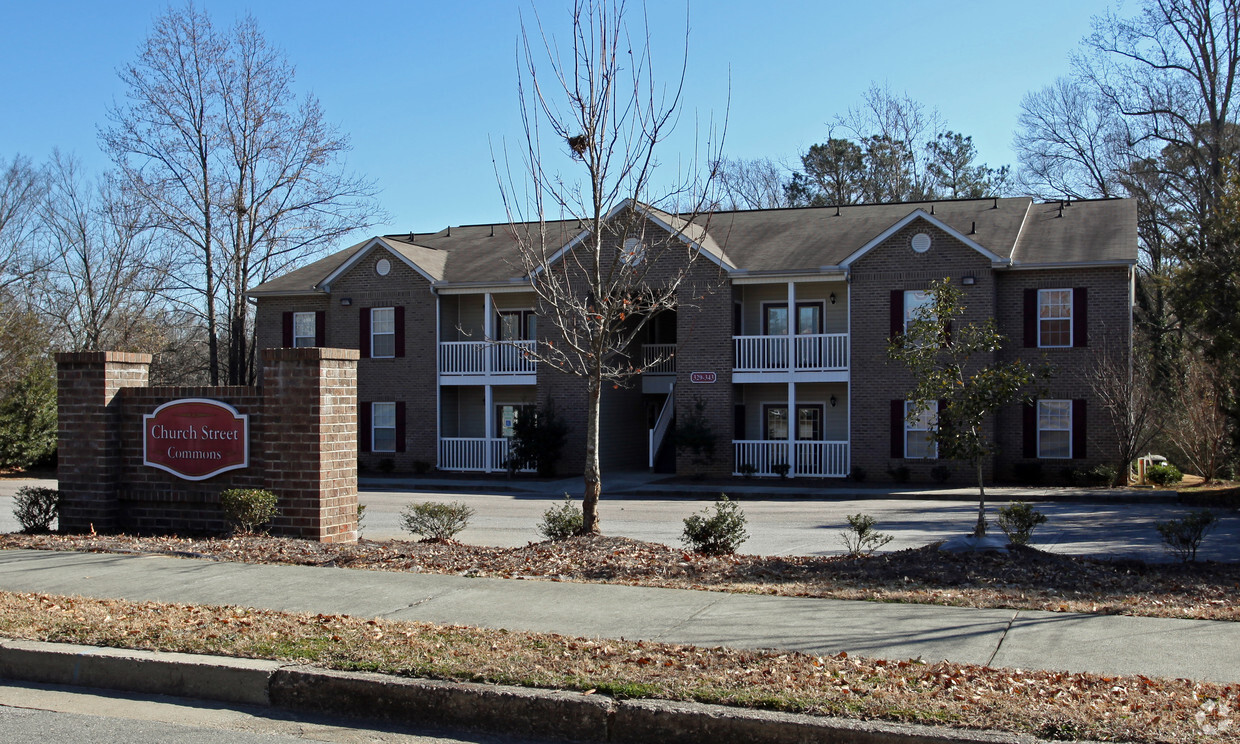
(1203, 650)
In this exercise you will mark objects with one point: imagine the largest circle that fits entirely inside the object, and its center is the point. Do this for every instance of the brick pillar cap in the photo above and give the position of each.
(101, 357)
(312, 353)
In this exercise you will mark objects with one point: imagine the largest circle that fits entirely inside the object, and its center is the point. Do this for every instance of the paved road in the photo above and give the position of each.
(795, 525)
(76, 715)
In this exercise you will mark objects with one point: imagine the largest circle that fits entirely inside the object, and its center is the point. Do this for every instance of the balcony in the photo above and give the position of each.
(811, 352)
(659, 359)
(812, 459)
(487, 359)
(475, 455)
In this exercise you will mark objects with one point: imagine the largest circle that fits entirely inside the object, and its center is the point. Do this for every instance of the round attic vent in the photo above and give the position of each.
(383, 267)
(921, 242)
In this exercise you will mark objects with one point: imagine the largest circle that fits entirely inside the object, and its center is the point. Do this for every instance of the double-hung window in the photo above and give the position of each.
(919, 441)
(914, 301)
(809, 422)
(303, 330)
(1054, 318)
(383, 427)
(382, 332)
(1055, 429)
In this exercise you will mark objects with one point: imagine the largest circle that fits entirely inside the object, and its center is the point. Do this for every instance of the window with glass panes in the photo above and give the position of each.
(914, 300)
(919, 441)
(1054, 317)
(303, 330)
(1055, 429)
(383, 427)
(383, 332)
(809, 422)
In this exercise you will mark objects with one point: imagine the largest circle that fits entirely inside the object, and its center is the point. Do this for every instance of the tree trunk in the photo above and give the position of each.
(593, 479)
(980, 529)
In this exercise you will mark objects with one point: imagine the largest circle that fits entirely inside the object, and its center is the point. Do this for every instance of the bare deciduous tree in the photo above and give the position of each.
(895, 130)
(1069, 142)
(21, 194)
(759, 183)
(234, 166)
(1200, 427)
(598, 107)
(1122, 384)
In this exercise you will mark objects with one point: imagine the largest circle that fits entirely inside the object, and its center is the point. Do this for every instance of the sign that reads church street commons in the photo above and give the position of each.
(196, 438)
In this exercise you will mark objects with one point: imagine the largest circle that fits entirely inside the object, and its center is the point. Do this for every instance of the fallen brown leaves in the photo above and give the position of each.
(1049, 704)
(1025, 579)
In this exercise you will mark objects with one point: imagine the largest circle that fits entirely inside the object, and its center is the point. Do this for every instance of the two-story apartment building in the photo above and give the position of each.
(780, 339)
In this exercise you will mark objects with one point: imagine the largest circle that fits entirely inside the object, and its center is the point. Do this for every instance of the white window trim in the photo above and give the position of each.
(821, 405)
(313, 324)
(1071, 319)
(374, 427)
(1038, 425)
(373, 334)
(907, 317)
(908, 428)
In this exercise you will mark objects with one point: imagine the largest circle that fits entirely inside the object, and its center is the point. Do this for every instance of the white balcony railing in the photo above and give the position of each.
(475, 454)
(812, 459)
(487, 358)
(811, 353)
(659, 359)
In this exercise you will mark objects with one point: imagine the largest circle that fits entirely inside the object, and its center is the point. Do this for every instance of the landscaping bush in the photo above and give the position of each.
(940, 473)
(899, 474)
(1028, 472)
(387, 465)
(858, 474)
(1163, 474)
(861, 538)
(1018, 521)
(720, 533)
(248, 509)
(435, 520)
(1101, 475)
(421, 467)
(35, 508)
(561, 522)
(781, 469)
(747, 470)
(361, 517)
(1183, 536)
(694, 436)
(538, 437)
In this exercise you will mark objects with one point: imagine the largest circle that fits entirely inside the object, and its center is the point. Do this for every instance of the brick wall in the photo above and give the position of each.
(303, 425)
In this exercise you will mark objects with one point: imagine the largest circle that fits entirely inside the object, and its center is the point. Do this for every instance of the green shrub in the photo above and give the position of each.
(720, 533)
(858, 474)
(248, 509)
(435, 520)
(694, 436)
(1163, 474)
(561, 522)
(781, 469)
(421, 467)
(1183, 536)
(747, 470)
(538, 437)
(35, 508)
(1069, 475)
(899, 474)
(1101, 475)
(940, 473)
(387, 465)
(361, 517)
(1018, 521)
(861, 538)
(1028, 472)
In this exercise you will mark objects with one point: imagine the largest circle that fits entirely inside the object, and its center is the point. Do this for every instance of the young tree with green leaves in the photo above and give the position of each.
(954, 366)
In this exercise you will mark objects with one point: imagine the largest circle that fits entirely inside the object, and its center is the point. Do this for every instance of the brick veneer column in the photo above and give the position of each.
(88, 435)
(310, 440)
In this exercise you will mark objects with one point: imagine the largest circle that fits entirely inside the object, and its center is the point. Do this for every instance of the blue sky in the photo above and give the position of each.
(426, 89)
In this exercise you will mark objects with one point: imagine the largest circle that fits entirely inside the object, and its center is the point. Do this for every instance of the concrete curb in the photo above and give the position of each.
(497, 709)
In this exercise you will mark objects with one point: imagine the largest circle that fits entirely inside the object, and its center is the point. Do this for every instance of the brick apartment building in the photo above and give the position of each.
(781, 334)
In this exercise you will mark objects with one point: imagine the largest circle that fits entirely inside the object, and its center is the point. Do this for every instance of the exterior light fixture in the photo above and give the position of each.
(832, 298)
(968, 281)
(833, 401)
(346, 301)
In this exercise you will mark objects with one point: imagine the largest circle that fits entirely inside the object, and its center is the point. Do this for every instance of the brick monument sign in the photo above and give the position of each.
(145, 459)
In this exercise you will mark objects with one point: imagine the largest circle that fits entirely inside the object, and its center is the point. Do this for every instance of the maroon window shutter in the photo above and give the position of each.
(398, 315)
(288, 331)
(947, 334)
(897, 429)
(1030, 426)
(897, 312)
(400, 426)
(320, 328)
(942, 409)
(1031, 318)
(363, 426)
(363, 332)
(1080, 316)
(1079, 429)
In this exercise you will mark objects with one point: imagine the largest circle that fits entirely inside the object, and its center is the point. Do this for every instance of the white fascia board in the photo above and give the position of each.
(375, 242)
(995, 258)
(462, 288)
(825, 274)
(1072, 265)
(287, 293)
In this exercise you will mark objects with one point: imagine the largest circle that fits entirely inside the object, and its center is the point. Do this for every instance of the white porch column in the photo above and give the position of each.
(488, 400)
(792, 429)
(792, 330)
(488, 333)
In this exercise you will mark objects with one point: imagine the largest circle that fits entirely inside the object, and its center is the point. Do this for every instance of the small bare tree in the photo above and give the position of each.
(1200, 426)
(1122, 385)
(759, 183)
(599, 270)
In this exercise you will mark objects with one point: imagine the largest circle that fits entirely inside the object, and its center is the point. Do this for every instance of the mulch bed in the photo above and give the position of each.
(1026, 578)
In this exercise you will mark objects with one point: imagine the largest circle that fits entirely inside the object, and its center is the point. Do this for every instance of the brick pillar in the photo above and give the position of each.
(88, 437)
(309, 441)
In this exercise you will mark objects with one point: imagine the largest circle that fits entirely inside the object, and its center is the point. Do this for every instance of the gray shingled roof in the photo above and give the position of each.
(804, 239)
